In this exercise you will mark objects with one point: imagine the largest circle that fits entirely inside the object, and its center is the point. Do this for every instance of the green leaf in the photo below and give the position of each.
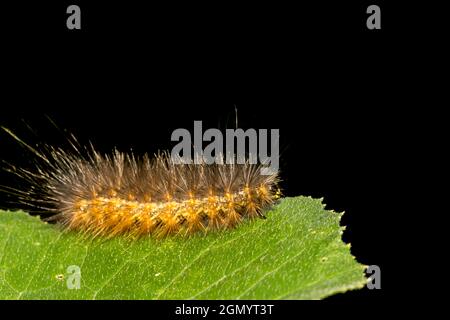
(296, 253)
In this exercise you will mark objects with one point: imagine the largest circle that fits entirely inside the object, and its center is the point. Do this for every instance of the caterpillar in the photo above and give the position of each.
(106, 195)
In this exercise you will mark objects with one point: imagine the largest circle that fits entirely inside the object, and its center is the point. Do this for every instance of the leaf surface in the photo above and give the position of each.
(296, 253)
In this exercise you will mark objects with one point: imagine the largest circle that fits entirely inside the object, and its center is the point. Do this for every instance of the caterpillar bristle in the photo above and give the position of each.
(123, 194)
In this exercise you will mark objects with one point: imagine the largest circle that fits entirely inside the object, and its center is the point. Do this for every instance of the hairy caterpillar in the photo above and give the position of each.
(108, 195)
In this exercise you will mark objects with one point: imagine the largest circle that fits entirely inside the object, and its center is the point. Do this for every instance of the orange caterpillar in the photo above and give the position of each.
(103, 195)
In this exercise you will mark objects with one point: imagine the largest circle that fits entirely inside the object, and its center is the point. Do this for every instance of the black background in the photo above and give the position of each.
(135, 73)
